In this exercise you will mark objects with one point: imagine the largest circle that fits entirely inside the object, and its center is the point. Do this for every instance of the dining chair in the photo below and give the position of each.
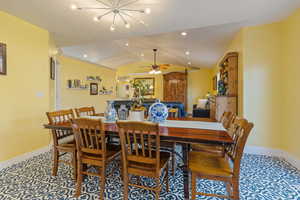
(227, 120)
(87, 111)
(173, 112)
(212, 167)
(141, 155)
(63, 140)
(92, 150)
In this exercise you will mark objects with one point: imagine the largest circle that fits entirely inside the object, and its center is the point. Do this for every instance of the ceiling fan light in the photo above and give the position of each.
(187, 53)
(152, 72)
(96, 19)
(157, 72)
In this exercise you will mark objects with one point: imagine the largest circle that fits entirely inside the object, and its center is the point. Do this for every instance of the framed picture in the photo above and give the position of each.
(149, 82)
(3, 66)
(93, 88)
(52, 69)
(215, 82)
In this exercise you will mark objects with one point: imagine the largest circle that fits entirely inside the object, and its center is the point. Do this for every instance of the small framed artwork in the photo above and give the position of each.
(3, 66)
(93, 88)
(148, 82)
(52, 69)
(215, 80)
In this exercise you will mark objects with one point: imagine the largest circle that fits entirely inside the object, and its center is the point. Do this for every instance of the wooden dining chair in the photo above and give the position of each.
(63, 140)
(212, 167)
(141, 154)
(173, 112)
(227, 120)
(87, 111)
(92, 150)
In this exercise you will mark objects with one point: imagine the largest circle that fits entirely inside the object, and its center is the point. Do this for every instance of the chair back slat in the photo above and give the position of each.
(140, 142)
(227, 119)
(90, 137)
(60, 117)
(85, 111)
(239, 131)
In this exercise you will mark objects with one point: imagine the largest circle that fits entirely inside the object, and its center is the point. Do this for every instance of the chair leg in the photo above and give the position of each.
(235, 190)
(55, 162)
(229, 188)
(74, 162)
(193, 186)
(102, 185)
(157, 190)
(125, 175)
(167, 178)
(79, 179)
(174, 160)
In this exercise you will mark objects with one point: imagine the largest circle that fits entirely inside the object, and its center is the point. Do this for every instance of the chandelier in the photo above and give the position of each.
(117, 9)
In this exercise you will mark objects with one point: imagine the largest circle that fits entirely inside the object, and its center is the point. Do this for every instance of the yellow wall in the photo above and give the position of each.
(25, 90)
(199, 82)
(262, 84)
(290, 83)
(75, 69)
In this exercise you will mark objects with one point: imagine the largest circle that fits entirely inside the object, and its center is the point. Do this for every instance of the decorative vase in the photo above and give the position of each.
(123, 112)
(136, 115)
(110, 112)
(158, 112)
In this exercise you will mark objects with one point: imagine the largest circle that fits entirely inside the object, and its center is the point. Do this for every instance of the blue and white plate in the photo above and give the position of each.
(158, 112)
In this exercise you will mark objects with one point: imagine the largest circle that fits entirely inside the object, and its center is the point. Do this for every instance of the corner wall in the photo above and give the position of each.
(25, 89)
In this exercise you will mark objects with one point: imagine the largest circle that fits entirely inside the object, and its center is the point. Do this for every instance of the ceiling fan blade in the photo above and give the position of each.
(138, 73)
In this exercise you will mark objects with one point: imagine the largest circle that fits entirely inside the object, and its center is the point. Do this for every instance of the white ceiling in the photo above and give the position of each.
(210, 25)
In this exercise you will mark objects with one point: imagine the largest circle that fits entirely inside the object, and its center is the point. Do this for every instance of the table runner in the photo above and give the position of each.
(180, 124)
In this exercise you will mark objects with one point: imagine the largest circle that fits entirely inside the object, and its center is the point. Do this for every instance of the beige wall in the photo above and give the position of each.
(199, 82)
(75, 69)
(25, 90)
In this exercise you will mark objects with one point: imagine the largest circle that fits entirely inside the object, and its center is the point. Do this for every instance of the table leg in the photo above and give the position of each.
(185, 152)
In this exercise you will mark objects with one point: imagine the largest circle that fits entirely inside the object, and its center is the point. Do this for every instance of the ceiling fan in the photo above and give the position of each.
(156, 69)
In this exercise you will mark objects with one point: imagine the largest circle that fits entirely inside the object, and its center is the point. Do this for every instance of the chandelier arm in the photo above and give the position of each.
(127, 4)
(114, 20)
(123, 19)
(124, 13)
(104, 3)
(107, 13)
(132, 10)
(90, 8)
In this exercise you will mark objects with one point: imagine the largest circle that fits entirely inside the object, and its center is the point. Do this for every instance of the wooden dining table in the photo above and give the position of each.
(180, 135)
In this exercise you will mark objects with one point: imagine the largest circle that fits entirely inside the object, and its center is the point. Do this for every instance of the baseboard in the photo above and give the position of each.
(23, 157)
(274, 152)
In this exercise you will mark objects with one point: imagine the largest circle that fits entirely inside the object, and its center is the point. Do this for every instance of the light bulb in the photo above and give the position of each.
(73, 7)
(147, 10)
(127, 25)
(157, 72)
(183, 33)
(96, 19)
(187, 53)
(85, 56)
(112, 28)
(189, 63)
(152, 72)
(142, 54)
(126, 44)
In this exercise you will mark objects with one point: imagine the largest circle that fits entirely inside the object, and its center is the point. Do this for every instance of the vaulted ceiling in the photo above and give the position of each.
(210, 25)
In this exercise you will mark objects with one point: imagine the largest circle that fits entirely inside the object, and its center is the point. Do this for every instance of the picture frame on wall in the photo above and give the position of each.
(93, 88)
(215, 82)
(148, 81)
(52, 68)
(3, 60)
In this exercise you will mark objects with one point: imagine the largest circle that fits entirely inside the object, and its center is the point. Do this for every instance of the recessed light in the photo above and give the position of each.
(126, 44)
(187, 53)
(73, 7)
(183, 33)
(85, 56)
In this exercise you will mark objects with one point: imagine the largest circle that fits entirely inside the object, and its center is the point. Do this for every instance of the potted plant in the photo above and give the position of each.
(137, 110)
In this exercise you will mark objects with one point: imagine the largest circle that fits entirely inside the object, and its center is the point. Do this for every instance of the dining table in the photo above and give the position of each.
(184, 131)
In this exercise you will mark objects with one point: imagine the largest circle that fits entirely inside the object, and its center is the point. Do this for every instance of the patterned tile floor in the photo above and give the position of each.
(262, 177)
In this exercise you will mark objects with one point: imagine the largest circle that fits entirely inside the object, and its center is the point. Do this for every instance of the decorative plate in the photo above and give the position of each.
(158, 112)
